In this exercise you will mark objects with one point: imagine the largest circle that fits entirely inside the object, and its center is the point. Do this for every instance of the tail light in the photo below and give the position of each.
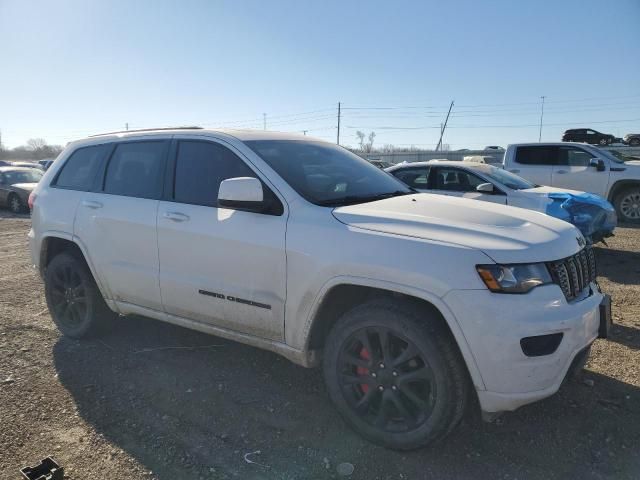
(32, 200)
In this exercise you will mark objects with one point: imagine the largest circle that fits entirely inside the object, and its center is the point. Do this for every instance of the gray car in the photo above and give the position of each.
(16, 183)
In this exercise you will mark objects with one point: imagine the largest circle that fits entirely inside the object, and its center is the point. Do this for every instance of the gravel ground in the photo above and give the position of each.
(151, 400)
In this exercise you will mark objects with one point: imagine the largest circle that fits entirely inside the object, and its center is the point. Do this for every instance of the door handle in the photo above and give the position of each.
(514, 170)
(561, 171)
(176, 216)
(91, 204)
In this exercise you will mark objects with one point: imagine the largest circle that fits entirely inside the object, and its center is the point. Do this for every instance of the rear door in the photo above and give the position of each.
(575, 172)
(117, 221)
(535, 162)
(458, 182)
(220, 266)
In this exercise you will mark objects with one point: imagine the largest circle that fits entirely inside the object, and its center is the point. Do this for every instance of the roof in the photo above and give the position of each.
(10, 168)
(242, 135)
(483, 167)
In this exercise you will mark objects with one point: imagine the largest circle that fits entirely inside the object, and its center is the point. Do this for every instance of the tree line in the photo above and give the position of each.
(35, 149)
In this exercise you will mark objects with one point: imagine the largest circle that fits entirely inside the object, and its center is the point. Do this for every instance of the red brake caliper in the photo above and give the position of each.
(365, 355)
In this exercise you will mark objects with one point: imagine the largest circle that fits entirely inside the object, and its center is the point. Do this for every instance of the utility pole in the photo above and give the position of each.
(443, 127)
(541, 117)
(126, 126)
(264, 121)
(338, 139)
(304, 132)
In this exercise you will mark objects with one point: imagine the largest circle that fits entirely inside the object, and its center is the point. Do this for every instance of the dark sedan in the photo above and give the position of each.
(16, 183)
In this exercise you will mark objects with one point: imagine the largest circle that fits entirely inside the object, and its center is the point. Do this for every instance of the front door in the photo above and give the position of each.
(217, 265)
(575, 172)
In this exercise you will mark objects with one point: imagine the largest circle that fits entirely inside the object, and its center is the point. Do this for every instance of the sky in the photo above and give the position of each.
(73, 68)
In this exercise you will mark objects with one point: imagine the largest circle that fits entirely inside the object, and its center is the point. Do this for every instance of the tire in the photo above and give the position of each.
(602, 141)
(418, 397)
(627, 205)
(75, 303)
(15, 203)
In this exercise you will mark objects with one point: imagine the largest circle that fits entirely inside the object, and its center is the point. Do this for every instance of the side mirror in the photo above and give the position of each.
(241, 193)
(485, 188)
(598, 163)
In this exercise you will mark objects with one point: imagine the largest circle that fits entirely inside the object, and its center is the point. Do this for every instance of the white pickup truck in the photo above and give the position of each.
(579, 166)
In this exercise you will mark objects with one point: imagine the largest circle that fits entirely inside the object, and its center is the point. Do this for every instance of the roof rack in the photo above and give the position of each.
(194, 127)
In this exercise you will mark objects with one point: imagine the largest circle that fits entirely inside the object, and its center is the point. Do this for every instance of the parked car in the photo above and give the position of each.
(490, 159)
(580, 167)
(593, 215)
(588, 135)
(27, 165)
(16, 183)
(45, 164)
(4, 163)
(412, 303)
(632, 139)
(494, 147)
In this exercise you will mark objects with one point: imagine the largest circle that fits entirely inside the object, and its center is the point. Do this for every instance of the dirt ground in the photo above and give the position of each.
(151, 400)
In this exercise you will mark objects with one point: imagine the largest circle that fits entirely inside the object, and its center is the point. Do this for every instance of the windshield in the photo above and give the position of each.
(615, 155)
(327, 174)
(508, 179)
(22, 176)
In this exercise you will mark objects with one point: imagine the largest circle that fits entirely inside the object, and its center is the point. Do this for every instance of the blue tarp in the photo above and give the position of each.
(593, 215)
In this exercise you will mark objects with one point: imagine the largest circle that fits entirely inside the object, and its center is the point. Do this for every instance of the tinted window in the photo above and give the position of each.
(456, 180)
(79, 171)
(575, 157)
(13, 177)
(414, 177)
(200, 167)
(134, 169)
(537, 155)
(327, 174)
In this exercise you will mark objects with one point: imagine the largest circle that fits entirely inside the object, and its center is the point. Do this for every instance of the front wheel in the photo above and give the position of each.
(627, 204)
(395, 375)
(75, 303)
(603, 141)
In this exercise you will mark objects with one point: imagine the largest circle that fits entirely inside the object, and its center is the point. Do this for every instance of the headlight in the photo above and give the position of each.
(514, 278)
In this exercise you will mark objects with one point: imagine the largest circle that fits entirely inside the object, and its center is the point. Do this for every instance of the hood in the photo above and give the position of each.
(506, 234)
(543, 190)
(24, 186)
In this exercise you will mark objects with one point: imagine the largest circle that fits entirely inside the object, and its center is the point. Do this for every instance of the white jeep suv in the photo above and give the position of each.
(412, 303)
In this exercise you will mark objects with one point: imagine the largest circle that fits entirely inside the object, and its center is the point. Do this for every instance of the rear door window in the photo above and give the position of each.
(135, 169)
(414, 177)
(80, 169)
(537, 155)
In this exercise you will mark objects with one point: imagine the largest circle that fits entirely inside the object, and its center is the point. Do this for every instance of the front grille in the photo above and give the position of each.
(575, 273)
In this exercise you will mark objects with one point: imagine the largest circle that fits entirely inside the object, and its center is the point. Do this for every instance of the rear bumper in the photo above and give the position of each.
(494, 324)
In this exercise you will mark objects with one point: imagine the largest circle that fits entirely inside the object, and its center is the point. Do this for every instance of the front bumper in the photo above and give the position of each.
(493, 325)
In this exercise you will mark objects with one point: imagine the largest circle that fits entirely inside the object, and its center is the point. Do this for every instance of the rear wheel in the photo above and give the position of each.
(395, 375)
(75, 303)
(603, 141)
(627, 205)
(15, 203)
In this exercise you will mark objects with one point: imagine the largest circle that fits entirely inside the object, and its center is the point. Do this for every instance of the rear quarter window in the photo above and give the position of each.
(80, 169)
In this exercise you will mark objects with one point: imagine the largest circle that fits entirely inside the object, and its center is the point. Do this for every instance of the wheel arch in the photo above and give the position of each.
(340, 295)
(619, 186)
(58, 242)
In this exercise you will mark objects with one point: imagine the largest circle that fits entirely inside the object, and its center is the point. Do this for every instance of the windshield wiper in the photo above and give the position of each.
(355, 199)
